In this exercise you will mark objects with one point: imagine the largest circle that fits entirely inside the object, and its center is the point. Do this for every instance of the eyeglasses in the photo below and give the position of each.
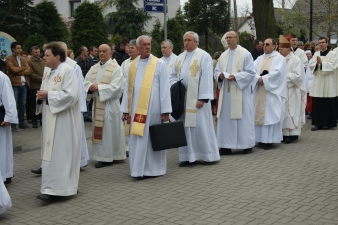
(229, 37)
(321, 42)
(267, 44)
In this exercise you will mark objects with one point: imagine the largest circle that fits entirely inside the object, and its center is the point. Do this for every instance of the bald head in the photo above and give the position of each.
(232, 39)
(105, 52)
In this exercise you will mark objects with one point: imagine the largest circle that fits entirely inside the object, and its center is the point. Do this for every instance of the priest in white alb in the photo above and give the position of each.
(195, 67)
(297, 51)
(146, 101)
(269, 87)
(294, 114)
(235, 72)
(324, 87)
(168, 56)
(7, 104)
(104, 81)
(61, 127)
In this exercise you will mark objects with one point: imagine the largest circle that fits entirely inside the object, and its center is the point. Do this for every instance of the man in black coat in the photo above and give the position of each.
(258, 49)
(120, 53)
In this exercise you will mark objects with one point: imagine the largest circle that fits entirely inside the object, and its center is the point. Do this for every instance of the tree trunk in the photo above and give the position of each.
(206, 39)
(264, 17)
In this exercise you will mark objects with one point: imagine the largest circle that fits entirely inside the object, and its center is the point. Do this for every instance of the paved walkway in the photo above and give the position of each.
(292, 184)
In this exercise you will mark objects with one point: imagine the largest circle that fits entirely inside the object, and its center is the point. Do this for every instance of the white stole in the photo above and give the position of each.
(236, 94)
(193, 85)
(55, 85)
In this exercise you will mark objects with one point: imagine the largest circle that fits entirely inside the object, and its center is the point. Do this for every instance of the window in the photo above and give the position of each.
(73, 6)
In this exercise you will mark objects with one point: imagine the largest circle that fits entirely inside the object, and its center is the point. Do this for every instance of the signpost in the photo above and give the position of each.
(157, 6)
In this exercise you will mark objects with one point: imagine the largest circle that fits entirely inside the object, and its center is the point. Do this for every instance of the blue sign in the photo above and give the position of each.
(154, 8)
(5, 45)
(153, 1)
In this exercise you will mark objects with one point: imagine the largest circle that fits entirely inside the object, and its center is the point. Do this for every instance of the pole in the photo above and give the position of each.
(165, 20)
(235, 16)
(311, 11)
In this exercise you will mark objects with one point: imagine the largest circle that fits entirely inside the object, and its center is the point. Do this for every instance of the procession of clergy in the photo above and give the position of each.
(261, 101)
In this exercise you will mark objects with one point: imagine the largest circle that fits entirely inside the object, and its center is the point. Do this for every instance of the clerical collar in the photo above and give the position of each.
(102, 63)
(324, 53)
(294, 49)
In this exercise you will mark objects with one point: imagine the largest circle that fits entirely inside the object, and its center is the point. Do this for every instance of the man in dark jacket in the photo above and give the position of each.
(120, 53)
(84, 61)
(258, 49)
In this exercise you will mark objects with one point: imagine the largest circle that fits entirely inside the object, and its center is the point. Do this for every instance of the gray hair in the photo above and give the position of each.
(170, 43)
(132, 42)
(196, 37)
(300, 43)
(63, 44)
(142, 36)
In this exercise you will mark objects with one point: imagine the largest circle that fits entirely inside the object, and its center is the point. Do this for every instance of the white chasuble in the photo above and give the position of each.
(6, 144)
(61, 174)
(142, 159)
(294, 115)
(201, 139)
(169, 61)
(109, 80)
(324, 82)
(275, 85)
(231, 132)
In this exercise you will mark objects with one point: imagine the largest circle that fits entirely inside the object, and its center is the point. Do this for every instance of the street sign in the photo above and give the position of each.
(153, 1)
(154, 8)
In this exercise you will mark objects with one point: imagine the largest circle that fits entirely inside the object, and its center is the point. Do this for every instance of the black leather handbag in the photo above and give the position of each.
(167, 135)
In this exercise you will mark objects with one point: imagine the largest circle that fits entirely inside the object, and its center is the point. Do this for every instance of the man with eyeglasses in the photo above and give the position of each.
(269, 87)
(297, 51)
(323, 88)
(235, 72)
(294, 114)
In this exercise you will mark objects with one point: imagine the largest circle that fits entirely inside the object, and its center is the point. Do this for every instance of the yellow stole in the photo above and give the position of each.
(99, 107)
(144, 97)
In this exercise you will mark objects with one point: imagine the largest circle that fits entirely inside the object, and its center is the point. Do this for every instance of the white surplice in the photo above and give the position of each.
(169, 61)
(83, 106)
(6, 145)
(142, 159)
(294, 115)
(237, 133)
(302, 56)
(275, 85)
(113, 139)
(60, 176)
(202, 143)
(309, 76)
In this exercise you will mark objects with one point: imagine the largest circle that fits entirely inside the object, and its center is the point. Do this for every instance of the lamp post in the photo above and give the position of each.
(311, 11)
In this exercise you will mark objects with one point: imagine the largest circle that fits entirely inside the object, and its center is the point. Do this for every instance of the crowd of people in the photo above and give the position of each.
(258, 97)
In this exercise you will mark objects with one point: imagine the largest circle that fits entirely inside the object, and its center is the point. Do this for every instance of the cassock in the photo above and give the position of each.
(237, 131)
(83, 106)
(6, 145)
(199, 129)
(294, 115)
(111, 144)
(270, 104)
(61, 139)
(323, 89)
(142, 159)
(309, 76)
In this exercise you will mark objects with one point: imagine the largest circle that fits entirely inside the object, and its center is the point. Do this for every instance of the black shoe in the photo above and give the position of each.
(35, 124)
(316, 128)
(100, 164)
(40, 122)
(8, 181)
(267, 146)
(184, 164)
(287, 141)
(38, 171)
(23, 126)
(225, 151)
(44, 197)
(247, 151)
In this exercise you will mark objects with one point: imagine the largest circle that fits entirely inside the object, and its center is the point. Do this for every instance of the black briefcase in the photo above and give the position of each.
(167, 135)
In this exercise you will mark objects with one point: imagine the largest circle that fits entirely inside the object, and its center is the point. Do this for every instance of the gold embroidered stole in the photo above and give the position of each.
(194, 74)
(236, 95)
(141, 111)
(99, 107)
(261, 94)
(48, 141)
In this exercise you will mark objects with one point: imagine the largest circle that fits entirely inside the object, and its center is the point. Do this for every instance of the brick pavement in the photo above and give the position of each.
(295, 184)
